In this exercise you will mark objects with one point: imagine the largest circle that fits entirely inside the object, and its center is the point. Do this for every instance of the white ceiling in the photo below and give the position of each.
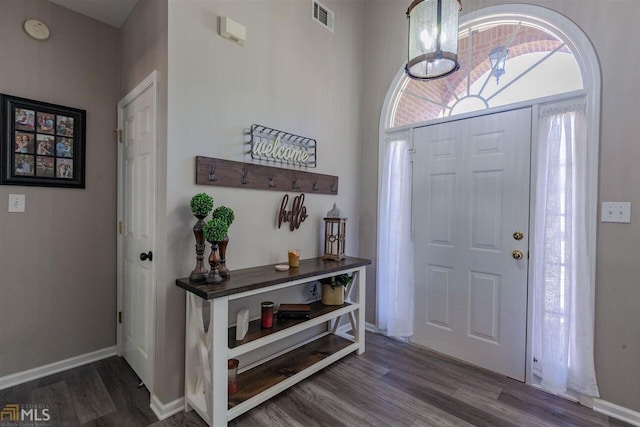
(112, 12)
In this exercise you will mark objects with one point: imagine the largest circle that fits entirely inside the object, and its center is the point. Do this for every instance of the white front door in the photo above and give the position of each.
(137, 206)
(471, 194)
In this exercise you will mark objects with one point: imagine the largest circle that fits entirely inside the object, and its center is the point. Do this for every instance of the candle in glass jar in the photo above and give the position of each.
(294, 258)
(267, 314)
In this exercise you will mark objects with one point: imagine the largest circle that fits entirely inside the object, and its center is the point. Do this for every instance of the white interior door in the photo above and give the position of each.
(471, 194)
(137, 200)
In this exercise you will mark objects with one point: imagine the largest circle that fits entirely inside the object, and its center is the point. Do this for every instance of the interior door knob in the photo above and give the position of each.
(517, 254)
(518, 235)
(144, 257)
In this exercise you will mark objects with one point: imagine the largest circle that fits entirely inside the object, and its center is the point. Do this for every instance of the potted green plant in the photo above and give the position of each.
(333, 289)
(226, 214)
(201, 204)
(214, 231)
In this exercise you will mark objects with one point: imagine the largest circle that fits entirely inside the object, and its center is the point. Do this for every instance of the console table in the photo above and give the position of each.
(207, 351)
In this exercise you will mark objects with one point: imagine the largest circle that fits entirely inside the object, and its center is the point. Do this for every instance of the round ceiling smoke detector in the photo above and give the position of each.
(36, 29)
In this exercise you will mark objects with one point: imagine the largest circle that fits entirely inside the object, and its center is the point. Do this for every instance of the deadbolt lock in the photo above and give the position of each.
(518, 235)
(517, 254)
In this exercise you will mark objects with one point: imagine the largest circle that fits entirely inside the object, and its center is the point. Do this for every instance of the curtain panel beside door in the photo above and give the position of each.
(563, 328)
(395, 248)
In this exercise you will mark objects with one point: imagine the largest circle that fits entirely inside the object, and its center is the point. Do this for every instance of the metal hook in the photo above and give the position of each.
(294, 184)
(212, 173)
(315, 185)
(333, 187)
(245, 172)
(271, 184)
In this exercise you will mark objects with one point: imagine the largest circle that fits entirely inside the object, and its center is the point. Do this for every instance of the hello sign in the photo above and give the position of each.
(282, 147)
(295, 215)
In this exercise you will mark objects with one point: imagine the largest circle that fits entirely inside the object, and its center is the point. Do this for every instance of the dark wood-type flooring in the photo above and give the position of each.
(391, 384)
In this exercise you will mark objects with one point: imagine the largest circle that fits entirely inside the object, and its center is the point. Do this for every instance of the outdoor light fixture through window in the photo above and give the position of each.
(433, 38)
(498, 58)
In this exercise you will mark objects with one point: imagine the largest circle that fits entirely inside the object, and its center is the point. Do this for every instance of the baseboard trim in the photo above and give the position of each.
(343, 329)
(163, 411)
(371, 327)
(53, 368)
(616, 411)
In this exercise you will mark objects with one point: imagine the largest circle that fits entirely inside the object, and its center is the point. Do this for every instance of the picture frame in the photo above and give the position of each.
(41, 144)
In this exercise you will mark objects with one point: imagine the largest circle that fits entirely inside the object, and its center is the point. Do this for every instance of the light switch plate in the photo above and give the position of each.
(616, 212)
(16, 202)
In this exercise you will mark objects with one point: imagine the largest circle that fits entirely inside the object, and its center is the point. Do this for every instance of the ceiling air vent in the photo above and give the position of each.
(323, 15)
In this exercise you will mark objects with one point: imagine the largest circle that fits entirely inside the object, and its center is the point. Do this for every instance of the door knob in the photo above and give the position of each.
(144, 257)
(518, 235)
(517, 254)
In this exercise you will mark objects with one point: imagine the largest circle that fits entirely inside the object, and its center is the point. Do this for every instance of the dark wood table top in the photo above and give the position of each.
(252, 278)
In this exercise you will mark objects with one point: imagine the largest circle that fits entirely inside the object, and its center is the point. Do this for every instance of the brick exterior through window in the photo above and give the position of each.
(420, 101)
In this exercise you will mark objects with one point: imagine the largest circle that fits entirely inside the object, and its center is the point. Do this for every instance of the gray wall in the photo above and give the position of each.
(617, 337)
(57, 260)
(143, 49)
(292, 74)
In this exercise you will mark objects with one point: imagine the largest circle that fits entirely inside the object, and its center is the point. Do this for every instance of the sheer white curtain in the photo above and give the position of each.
(563, 327)
(395, 250)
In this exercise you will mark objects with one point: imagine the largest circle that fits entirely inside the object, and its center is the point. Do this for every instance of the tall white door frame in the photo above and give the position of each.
(592, 81)
(593, 145)
(147, 86)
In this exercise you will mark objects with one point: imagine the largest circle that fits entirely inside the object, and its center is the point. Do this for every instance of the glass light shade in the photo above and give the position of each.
(433, 38)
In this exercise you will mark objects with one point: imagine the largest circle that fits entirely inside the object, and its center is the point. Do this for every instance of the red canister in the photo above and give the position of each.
(267, 314)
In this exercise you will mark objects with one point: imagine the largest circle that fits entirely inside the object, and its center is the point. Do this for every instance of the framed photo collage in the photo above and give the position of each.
(42, 144)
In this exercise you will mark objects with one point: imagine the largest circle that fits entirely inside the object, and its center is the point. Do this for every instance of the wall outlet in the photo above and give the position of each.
(616, 212)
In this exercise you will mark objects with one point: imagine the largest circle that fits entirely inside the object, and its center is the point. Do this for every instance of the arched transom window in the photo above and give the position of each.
(536, 63)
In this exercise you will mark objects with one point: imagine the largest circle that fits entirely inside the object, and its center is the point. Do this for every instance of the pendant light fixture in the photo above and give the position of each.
(433, 38)
(498, 58)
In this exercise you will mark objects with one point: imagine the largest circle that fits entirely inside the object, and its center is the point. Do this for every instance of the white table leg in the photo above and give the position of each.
(194, 336)
(362, 284)
(218, 326)
(206, 357)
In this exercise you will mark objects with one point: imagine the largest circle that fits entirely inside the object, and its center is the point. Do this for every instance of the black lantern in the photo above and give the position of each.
(433, 38)
(335, 227)
(498, 59)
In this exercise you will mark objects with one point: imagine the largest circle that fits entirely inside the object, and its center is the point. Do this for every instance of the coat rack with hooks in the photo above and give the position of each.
(227, 173)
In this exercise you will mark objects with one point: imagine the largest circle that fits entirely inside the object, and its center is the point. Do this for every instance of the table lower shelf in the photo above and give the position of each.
(274, 376)
(267, 375)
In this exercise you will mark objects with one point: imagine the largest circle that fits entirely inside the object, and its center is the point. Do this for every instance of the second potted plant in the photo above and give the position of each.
(214, 231)
(226, 214)
(333, 289)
